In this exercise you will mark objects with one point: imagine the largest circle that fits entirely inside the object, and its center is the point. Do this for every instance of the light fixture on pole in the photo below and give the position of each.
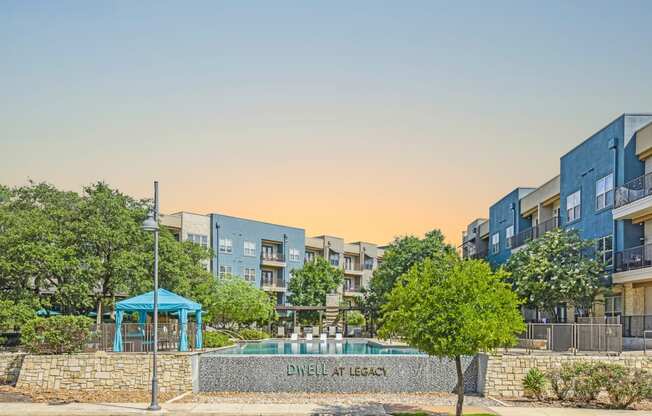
(151, 225)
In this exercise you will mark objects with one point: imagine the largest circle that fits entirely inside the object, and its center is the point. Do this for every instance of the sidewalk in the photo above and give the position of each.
(234, 409)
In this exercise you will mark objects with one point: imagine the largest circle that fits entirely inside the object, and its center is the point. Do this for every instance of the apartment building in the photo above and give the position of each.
(475, 239)
(603, 190)
(358, 261)
(266, 254)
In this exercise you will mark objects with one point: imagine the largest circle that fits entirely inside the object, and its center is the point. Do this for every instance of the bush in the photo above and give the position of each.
(589, 379)
(56, 335)
(253, 334)
(216, 339)
(13, 315)
(561, 380)
(355, 318)
(534, 383)
(626, 386)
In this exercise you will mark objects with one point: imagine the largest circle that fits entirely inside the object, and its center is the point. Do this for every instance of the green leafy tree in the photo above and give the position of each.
(13, 315)
(555, 269)
(316, 279)
(398, 258)
(237, 302)
(451, 308)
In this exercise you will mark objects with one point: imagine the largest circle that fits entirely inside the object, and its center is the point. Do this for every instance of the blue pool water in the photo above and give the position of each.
(346, 347)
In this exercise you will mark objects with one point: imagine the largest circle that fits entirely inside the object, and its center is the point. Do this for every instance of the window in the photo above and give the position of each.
(250, 275)
(249, 248)
(268, 278)
(495, 243)
(294, 254)
(574, 206)
(226, 245)
(225, 271)
(202, 240)
(613, 305)
(604, 192)
(509, 233)
(605, 249)
(310, 256)
(348, 263)
(334, 259)
(368, 263)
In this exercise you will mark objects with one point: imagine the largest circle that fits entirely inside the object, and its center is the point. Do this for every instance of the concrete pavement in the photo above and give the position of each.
(234, 409)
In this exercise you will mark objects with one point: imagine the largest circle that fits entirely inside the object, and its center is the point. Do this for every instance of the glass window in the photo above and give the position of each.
(249, 248)
(225, 271)
(334, 259)
(250, 275)
(509, 233)
(495, 243)
(202, 240)
(226, 245)
(368, 263)
(605, 249)
(574, 206)
(268, 278)
(294, 254)
(310, 256)
(613, 305)
(604, 192)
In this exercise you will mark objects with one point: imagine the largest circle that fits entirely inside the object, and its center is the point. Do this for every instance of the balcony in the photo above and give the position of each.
(533, 233)
(634, 199)
(274, 259)
(352, 289)
(273, 285)
(633, 265)
(353, 269)
(482, 254)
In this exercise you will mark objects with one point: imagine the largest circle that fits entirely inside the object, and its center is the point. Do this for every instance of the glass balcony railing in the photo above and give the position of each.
(633, 258)
(633, 190)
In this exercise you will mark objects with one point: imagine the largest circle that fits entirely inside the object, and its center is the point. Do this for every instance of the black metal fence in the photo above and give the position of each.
(573, 337)
(633, 258)
(139, 337)
(532, 233)
(634, 326)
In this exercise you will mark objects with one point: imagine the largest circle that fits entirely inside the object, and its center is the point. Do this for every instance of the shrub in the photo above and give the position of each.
(534, 383)
(253, 334)
(216, 339)
(561, 380)
(56, 335)
(626, 386)
(355, 318)
(589, 379)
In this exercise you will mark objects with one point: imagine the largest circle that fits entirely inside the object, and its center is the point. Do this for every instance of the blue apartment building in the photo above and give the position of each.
(604, 190)
(261, 253)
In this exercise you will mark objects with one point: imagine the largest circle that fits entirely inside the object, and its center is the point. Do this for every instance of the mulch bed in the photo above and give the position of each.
(12, 394)
(602, 402)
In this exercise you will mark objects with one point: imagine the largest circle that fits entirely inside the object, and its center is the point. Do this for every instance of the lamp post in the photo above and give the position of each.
(151, 225)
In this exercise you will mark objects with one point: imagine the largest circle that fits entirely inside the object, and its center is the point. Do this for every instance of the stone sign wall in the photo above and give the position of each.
(112, 371)
(332, 373)
(504, 373)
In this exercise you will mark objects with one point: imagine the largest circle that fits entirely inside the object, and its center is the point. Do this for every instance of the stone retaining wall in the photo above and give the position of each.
(504, 373)
(106, 371)
(10, 364)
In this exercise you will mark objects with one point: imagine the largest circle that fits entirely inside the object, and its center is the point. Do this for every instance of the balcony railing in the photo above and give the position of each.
(633, 258)
(535, 232)
(274, 256)
(479, 254)
(633, 190)
(273, 282)
(352, 268)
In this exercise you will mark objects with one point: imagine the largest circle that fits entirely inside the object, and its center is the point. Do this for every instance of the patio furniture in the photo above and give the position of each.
(294, 336)
(308, 337)
(323, 337)
(332, 331)
(280, 332)
(315, 330)
(338, 336)
(297, 330)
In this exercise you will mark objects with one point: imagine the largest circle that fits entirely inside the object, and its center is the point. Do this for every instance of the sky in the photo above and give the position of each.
(364, 120)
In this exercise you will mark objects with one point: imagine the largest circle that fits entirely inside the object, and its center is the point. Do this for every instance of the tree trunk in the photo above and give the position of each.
(460, 386)
(98, 318)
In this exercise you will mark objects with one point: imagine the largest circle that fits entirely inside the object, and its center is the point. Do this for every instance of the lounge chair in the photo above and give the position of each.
(331, 331)
(323, 337)
(315, 331)
(280, 332)
(308, 337)
(338, 336)
(297, 330)
(294, 336)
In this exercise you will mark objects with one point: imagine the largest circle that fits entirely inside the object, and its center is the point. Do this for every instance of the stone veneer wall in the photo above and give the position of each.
(10, 364)
(107, 371)
(504, 373)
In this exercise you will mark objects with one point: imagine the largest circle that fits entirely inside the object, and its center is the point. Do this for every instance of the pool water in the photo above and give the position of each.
(282, 347)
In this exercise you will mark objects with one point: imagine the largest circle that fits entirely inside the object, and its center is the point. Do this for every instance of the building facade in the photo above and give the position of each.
(265, 254)
(603, 192)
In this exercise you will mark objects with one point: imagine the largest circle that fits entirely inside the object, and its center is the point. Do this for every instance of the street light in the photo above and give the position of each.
(151, 225)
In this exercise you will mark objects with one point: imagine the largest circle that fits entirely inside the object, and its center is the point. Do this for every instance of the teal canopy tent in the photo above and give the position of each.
(167, 302)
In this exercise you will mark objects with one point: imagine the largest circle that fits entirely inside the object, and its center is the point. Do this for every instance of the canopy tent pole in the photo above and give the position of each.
(198, 335)
(117, 338)
(183, 333)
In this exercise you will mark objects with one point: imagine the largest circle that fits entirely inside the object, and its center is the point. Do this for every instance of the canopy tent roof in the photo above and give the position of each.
(167, 302)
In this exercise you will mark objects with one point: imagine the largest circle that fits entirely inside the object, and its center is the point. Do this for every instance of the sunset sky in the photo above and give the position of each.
(364, 120)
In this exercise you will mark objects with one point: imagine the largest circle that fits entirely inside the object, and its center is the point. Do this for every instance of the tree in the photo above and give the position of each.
(13, 315)
(398, 258)
(556, 269)
(451, 308)
(310, 284)
(234, 302)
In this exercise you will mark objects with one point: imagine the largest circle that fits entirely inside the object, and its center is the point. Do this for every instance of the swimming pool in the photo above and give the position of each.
(316, 347)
